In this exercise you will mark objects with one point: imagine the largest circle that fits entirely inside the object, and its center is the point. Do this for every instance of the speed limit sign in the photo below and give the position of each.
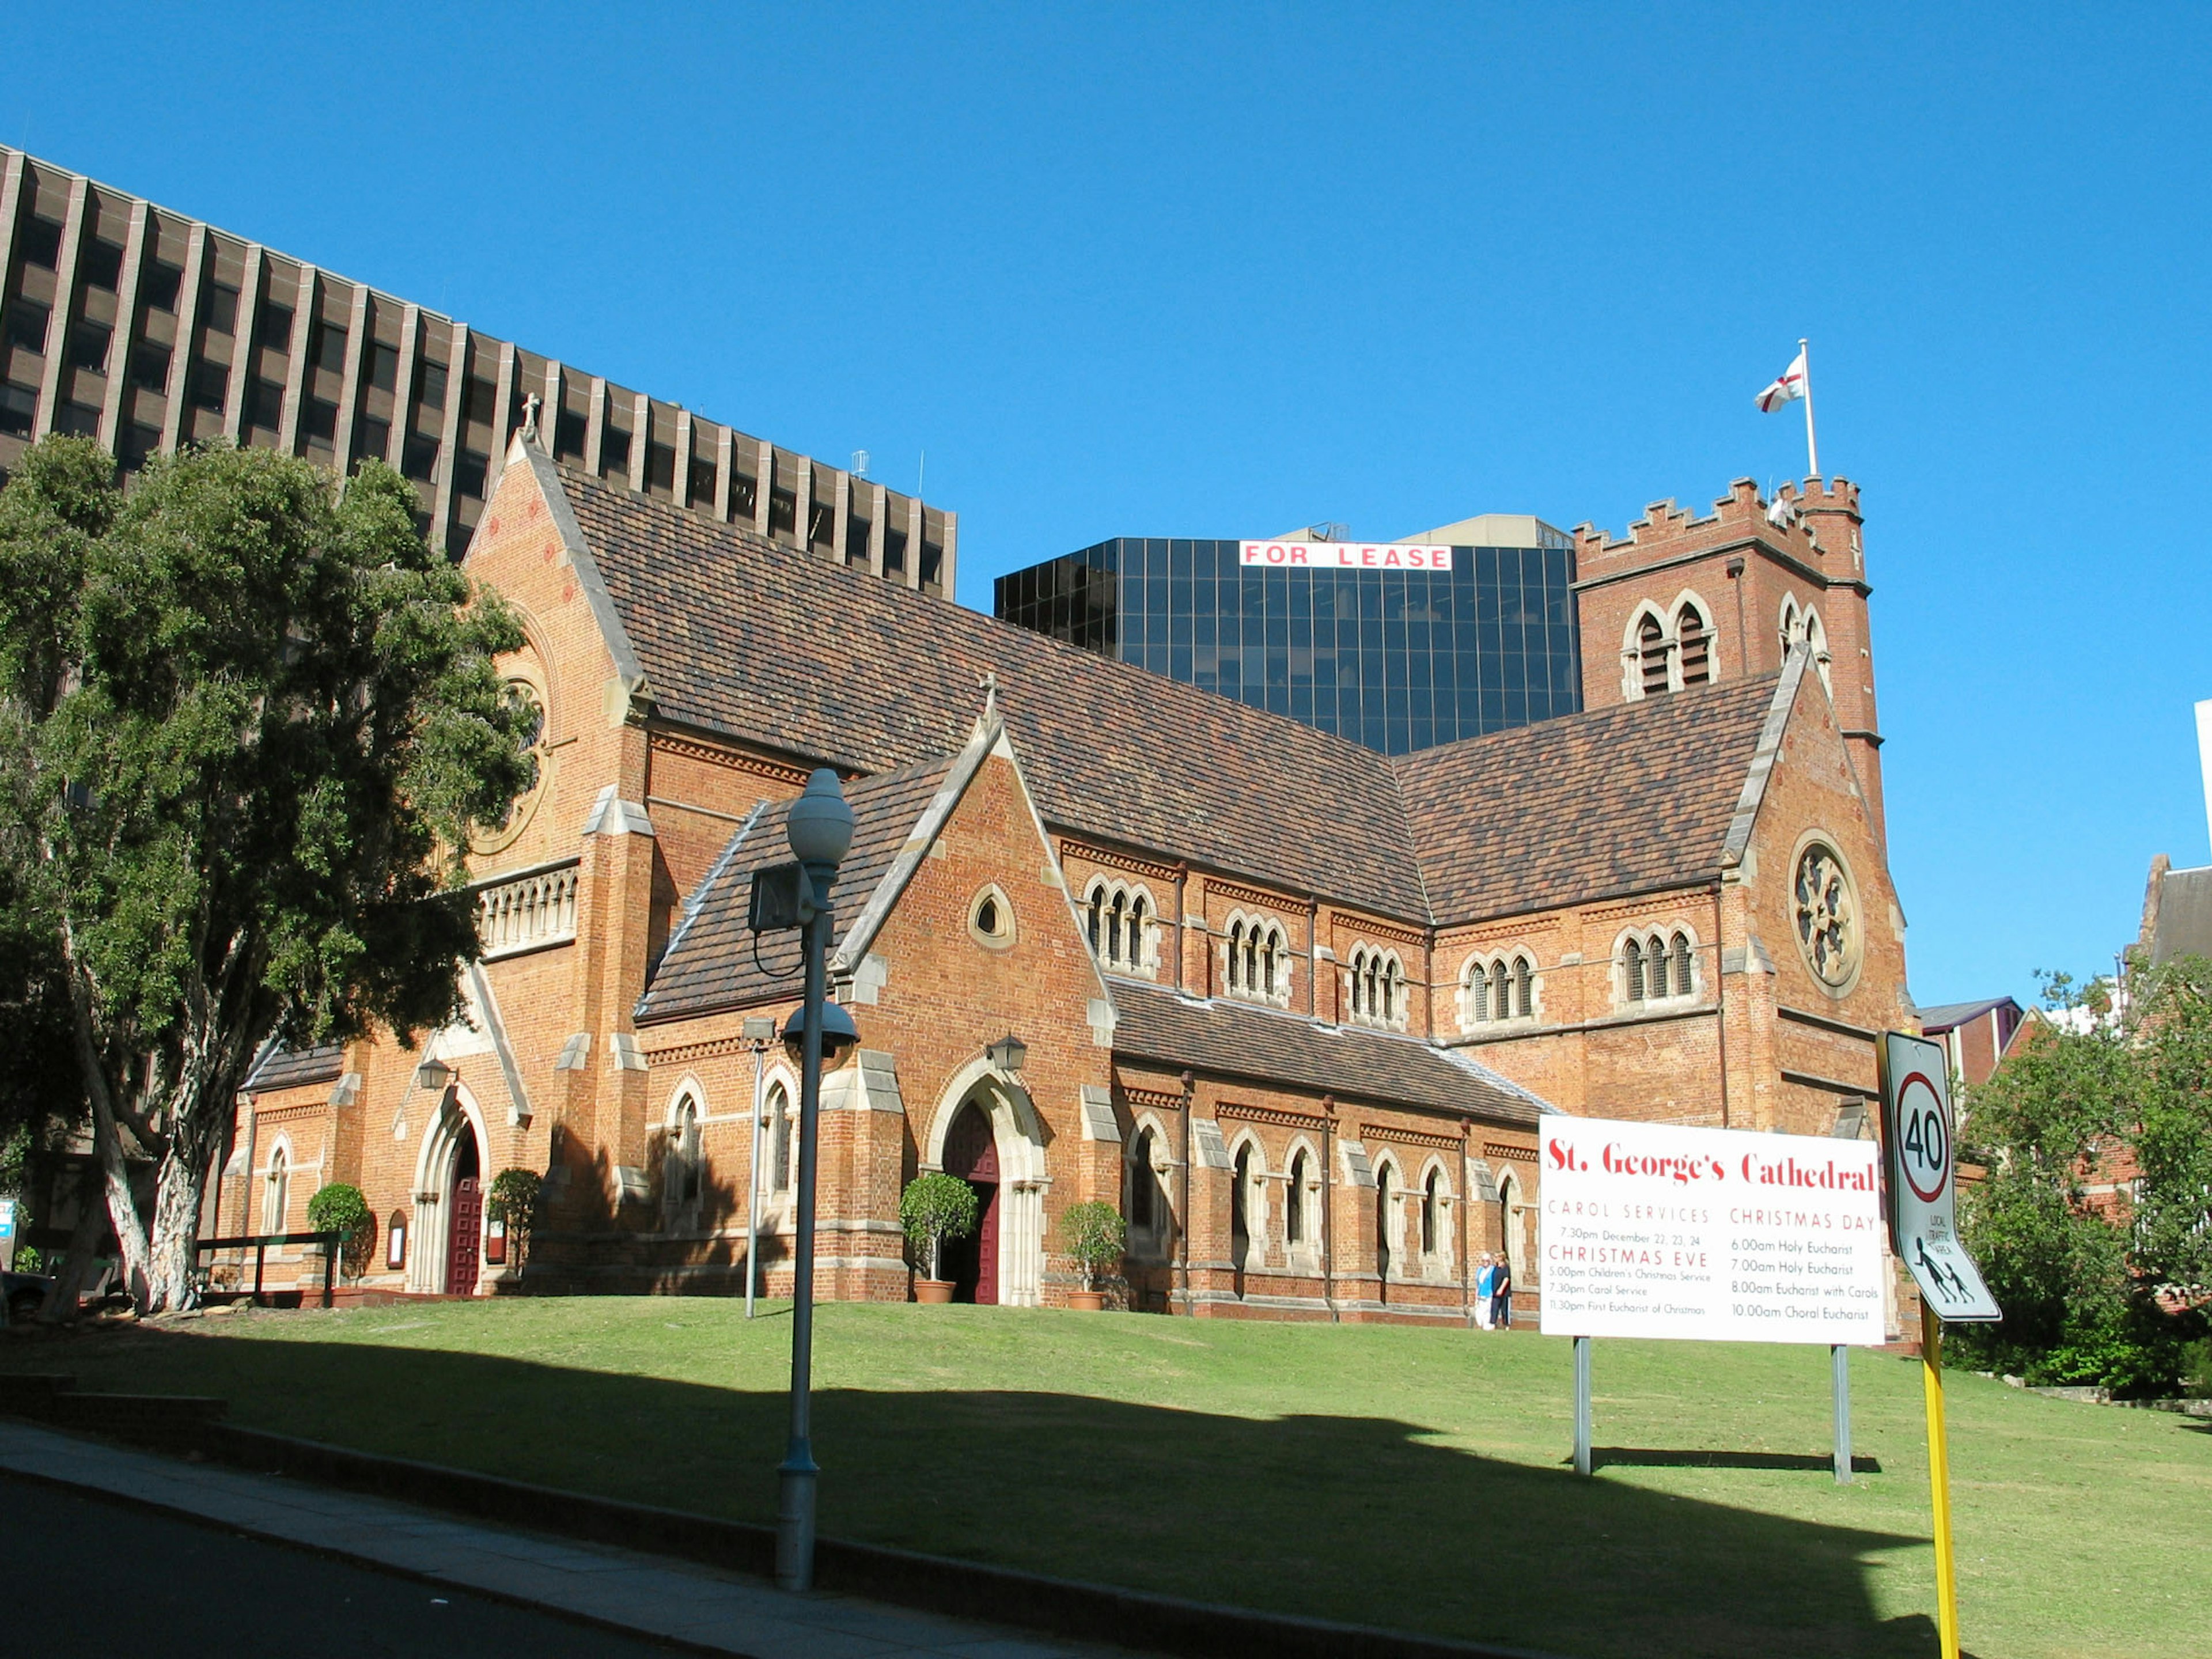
(1916, 1124)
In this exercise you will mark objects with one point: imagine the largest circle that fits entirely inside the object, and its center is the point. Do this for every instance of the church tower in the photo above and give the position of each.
(1681, 601)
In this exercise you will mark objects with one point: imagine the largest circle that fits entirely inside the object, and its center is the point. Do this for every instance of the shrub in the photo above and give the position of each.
(513, 1198)
(339, 1208)
(1096, 1237)
(934, 1208)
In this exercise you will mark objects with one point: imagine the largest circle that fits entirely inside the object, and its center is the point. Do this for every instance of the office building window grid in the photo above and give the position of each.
(1397, 660)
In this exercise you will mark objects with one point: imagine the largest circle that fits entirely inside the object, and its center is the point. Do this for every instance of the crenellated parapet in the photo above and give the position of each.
(1815, 522)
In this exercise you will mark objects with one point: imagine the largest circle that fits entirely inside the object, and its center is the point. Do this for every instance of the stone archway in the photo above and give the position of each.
(972, 1153)
(986, 1096)
(445, 1255)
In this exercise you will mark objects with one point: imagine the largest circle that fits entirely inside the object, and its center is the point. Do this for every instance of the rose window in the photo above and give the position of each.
(1828, 916)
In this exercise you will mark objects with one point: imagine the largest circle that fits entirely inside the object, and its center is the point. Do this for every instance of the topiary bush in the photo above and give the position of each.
(339, 1208)
(513, 1198)
(934, 1207)
(1094, 1235)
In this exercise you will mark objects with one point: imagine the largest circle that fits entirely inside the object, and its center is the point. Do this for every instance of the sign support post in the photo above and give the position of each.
(1839, 1360)
(1939, 1479)
(1582, 1406)
(1916, 1124)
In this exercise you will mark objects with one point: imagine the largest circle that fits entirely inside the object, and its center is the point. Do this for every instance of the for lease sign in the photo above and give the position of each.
(1720, 1234)
(1346, 556)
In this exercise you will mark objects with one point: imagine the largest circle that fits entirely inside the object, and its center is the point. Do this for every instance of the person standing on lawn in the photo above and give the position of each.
(1501, 1290)
(1483, 1281)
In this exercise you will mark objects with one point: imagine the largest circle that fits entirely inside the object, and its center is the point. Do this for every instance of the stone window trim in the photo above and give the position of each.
(1799, 623)
(526, 678)
(1500, 988)
(1438, 1213)
(1657, 965)
(1148, 1157)
(1669, 649)
(779, 1135)
(683, 1156)
(1376, 988)
(1122, 920)
(276, 1185)
(1301, 1205)
(991, 918)
(1253, 1178)
(1256, 958)
(1828, 924)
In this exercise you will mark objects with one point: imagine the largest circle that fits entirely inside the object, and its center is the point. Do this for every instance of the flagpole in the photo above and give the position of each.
(1812, 448)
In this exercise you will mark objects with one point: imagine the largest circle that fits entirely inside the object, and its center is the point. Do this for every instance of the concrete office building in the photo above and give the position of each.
(147, 329)
(1396, 659)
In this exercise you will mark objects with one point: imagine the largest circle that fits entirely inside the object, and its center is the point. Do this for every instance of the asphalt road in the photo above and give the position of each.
(89, 1579)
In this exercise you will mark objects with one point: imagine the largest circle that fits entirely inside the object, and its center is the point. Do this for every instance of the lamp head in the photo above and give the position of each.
(820, 827)
(1008, 1052)
(840, 1036)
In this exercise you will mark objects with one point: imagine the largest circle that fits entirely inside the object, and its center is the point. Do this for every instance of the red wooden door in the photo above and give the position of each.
(972, 1154)
(462, 1241)
(986, 1236)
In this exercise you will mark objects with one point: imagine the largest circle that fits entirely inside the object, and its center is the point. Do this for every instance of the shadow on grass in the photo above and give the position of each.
(1349, 1518)
(1655, 1457)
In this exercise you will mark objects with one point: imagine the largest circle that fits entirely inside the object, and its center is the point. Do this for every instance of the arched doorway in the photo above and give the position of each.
(445, 1256)
(971, 1152)
(464, 1229)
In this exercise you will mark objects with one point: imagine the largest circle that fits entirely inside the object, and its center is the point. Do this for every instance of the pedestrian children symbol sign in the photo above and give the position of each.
(1916, 1100)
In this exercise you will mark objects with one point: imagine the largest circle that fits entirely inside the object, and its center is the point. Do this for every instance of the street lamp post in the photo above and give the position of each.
(820, 831)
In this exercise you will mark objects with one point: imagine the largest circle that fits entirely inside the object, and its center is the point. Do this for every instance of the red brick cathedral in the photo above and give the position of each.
(1292, 1005)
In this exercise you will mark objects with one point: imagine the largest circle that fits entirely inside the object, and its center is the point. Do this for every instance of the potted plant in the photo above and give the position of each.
(1096, 1237)
(934, 1207)
(340, 1208)
(511, 1206)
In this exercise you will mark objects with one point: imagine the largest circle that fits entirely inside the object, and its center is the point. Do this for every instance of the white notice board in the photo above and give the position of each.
(1714, 1235)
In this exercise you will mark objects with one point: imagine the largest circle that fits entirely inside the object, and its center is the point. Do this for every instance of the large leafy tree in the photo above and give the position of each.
(248, 723)
(2111, 1090)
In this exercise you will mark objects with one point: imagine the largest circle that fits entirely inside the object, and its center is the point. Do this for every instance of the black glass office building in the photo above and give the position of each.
(1395, 660)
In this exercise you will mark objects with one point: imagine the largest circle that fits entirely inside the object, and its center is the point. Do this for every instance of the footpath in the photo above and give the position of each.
(690, 1607)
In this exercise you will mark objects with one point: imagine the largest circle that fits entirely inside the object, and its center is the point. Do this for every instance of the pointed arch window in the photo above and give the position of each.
(780, 1138)
(1658, 967)
(1498, 989)
(1431, 1202)
(1294, 1201)
(1652, 654)
(1694, 645)
(1377, 987)
(1258, 960)
(276, 1195)
(1119, 918)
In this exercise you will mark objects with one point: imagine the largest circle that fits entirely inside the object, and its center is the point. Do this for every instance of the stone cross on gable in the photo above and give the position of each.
(989, 682)
(530, 406)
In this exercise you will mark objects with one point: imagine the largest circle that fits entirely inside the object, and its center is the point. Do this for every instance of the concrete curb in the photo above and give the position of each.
(932, 1584)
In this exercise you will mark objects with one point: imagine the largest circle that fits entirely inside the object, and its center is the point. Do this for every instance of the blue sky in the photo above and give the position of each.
(1220, 270)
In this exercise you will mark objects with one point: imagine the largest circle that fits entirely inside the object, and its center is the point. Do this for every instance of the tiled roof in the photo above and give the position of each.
(291, 1068)
(745, 637)
(741, 635)
(1951, 1014)
(710, 960)
(1242, 1040)
(1616, 800)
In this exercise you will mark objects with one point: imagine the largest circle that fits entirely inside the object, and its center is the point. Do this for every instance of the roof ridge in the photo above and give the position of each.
(1688, 697)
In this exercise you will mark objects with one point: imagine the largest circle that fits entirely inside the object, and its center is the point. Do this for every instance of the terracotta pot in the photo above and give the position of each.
(932, 1289)
(1086, 1301)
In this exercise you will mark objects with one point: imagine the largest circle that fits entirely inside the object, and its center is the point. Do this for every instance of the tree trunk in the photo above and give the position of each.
(122, 1207)
(67, 1288)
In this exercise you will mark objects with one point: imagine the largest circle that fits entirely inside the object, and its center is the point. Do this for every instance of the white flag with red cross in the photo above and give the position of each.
(1787, 390)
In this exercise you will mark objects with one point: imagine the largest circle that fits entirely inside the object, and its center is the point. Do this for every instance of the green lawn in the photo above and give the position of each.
(1388, 1476)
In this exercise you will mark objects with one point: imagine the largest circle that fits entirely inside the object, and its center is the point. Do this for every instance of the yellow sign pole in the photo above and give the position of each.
(1939, 1479)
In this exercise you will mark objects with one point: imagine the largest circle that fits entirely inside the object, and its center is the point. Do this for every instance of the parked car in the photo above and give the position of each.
(24, 1294)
